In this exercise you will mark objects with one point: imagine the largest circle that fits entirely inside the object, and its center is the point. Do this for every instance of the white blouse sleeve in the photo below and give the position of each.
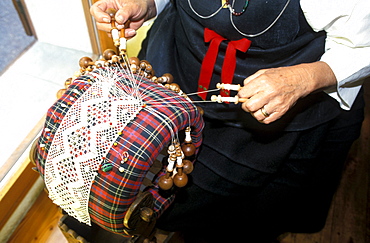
(347, 48)
(160, 4)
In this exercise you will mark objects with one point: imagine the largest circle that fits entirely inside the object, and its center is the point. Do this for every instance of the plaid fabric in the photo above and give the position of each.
(142, 139)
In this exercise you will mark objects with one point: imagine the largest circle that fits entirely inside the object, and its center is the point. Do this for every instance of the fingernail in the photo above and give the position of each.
(106, 20)
(131, 32)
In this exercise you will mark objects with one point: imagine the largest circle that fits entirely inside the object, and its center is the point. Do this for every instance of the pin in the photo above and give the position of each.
(106, 167)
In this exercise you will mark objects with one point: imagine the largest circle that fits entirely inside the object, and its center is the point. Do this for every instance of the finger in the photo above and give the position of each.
(122, 16)
(98, 10)
(255, 102)
(272, 118)
(129, 33)
(126, 18)
(126, 13)
(252, 85)
(263, 114)
(253, 76)
(104, 27)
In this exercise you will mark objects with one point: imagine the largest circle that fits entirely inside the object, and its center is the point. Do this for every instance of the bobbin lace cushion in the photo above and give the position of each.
(100, 139)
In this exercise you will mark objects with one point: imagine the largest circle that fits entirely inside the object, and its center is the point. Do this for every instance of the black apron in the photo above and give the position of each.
(239, 155)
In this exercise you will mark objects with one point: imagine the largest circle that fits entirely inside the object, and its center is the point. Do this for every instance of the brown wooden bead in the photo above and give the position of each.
(187, 167)
(200, 109)
(60, 93)
(165, 182)
(67, 82)
(134, 64)
(85, 62)
(168, 77)
(144, 64)
(149, 71)
(180, 179)
(175, 87)
(134, 60)
(108, 54)
(111, 12)
(115, 59)
(160, 80)
(188, 148)
(148, 68)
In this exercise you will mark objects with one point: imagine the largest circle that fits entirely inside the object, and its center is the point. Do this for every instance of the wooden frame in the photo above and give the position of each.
(90, 23)
(17, 177)
(100, 40)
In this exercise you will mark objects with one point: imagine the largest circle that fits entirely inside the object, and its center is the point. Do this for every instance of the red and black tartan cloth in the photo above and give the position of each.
(113, 192)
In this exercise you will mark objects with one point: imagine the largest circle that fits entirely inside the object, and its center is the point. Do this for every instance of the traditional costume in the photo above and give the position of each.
(250, 177)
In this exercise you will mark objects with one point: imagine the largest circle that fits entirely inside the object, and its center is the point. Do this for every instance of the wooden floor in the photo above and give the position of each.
(348, 220)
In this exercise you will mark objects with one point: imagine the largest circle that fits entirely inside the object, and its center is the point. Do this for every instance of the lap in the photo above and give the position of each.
(295, 198)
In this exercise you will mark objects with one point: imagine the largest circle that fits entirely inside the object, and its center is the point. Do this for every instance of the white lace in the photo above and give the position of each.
(83, 140)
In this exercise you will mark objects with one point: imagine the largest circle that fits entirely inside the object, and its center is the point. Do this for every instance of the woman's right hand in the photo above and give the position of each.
(137, 11)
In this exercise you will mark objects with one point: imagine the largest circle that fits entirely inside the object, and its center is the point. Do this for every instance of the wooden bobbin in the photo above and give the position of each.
(60, 93)
(143, 64)
(115, 59)
(180, 179)
(149, 71)
(134, 64)
(175, 87)
(85, 62)
(68, 82)
(108, 54)
(235, 87)
(187, 167)
(123, 40)
(112, 13)
(188, 147)
(221, 99)
(114, 31)
(146, 69)
(179, 155)
(165, 182)
(171, 149)
(166, 78)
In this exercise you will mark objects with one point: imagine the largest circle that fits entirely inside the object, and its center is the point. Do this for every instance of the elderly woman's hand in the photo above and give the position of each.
(137, 11)
(272, 92)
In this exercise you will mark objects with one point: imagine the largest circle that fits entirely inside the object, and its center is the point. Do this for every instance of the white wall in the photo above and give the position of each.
(61, 23)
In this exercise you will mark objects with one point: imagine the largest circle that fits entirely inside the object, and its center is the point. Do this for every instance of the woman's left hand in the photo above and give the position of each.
(272, 92)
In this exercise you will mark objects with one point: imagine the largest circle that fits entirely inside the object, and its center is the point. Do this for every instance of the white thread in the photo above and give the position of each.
(88, 130)
(80, 144)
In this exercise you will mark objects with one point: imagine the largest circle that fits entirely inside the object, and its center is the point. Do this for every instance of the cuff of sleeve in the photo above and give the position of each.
(345, 96)
(350, 68)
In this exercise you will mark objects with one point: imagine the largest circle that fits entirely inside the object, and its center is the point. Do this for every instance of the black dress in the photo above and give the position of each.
(269, 178)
